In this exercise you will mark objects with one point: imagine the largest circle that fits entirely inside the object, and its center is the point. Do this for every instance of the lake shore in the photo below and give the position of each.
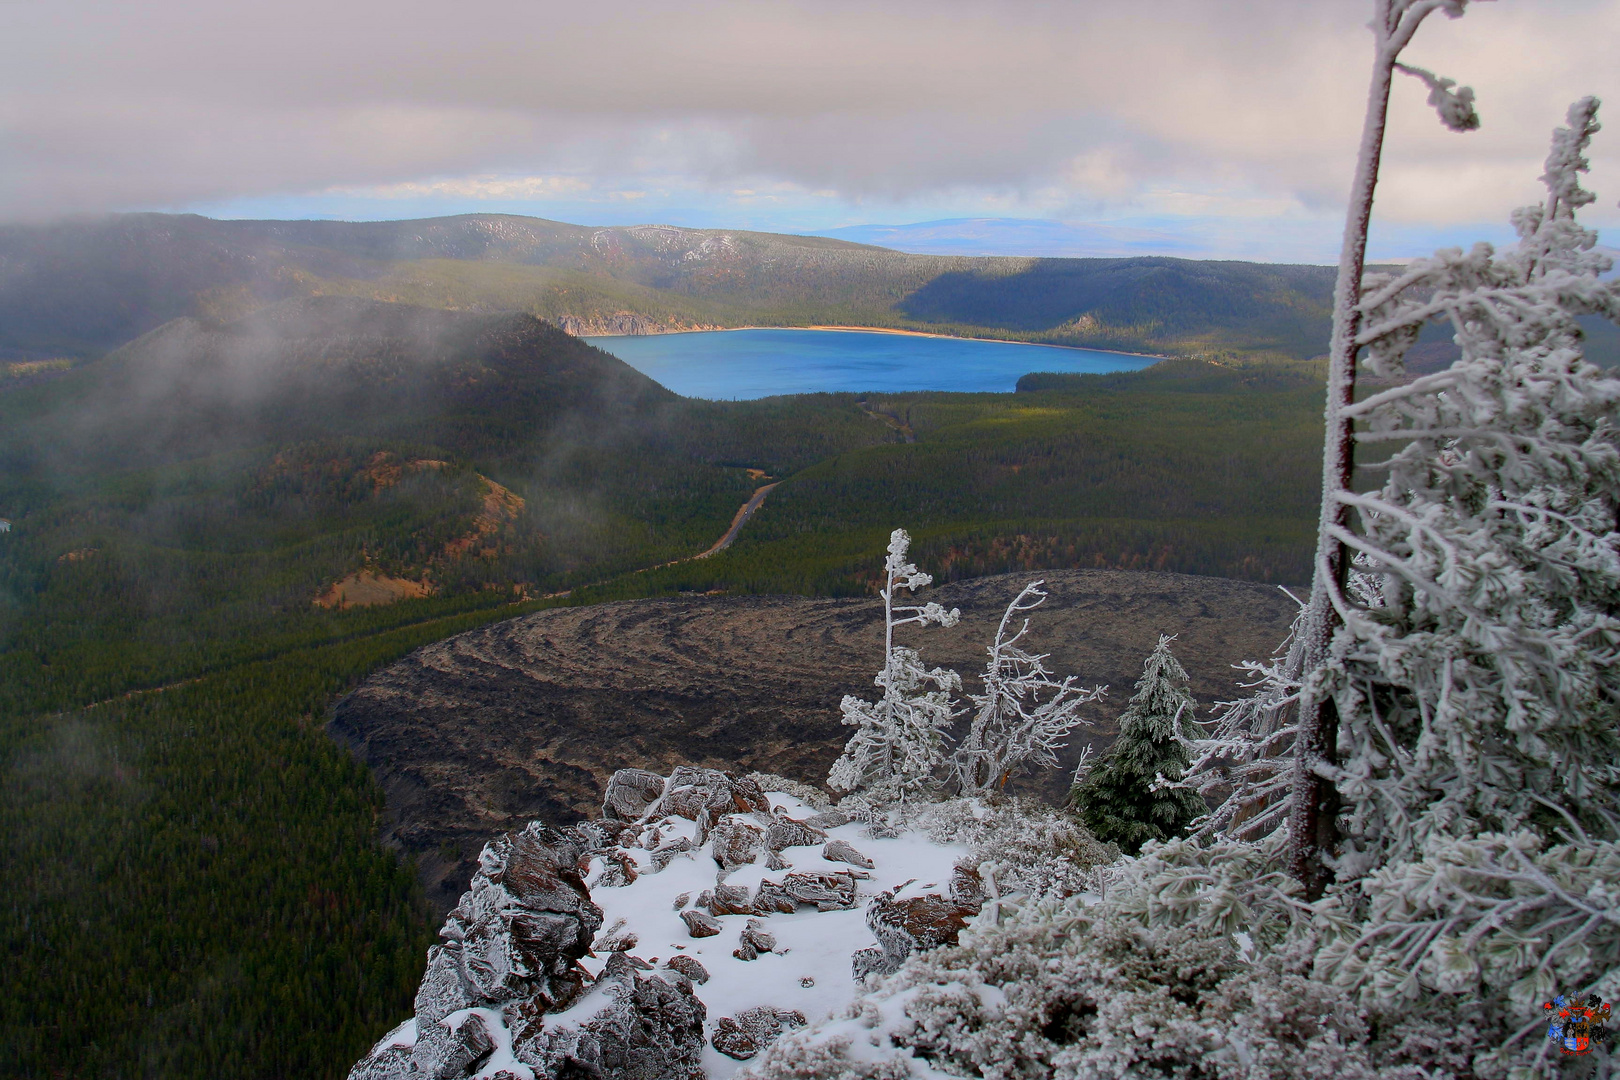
(900, 333)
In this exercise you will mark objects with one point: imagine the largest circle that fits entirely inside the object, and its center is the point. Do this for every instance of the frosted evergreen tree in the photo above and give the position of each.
(1313, 806)
(1479, 696)
(1023, 714)
(898, 749)
(1471, 671)
(1124, 798)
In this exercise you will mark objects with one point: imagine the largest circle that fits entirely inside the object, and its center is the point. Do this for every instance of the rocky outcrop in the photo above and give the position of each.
(505, 989)
(624, 323)
(904, 925)
(549, 966)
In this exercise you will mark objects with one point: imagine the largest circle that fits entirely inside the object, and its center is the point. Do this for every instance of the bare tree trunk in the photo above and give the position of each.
(1312, 829)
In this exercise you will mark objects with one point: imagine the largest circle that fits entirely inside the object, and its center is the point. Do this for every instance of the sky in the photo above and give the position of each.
(1228, 127)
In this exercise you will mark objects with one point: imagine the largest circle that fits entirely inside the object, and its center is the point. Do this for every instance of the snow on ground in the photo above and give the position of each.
(809, 970)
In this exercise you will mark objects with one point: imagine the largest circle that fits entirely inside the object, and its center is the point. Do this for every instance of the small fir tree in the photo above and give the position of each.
(1123, 798)
(898, 747)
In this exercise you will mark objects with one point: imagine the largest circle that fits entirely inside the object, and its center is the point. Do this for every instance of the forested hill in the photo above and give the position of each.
(328, 367)
(79, 288)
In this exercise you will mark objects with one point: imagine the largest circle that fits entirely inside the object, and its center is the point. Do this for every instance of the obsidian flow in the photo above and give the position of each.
(528, 719)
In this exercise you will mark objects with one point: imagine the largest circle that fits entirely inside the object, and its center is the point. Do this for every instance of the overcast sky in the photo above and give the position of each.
(1229, 122)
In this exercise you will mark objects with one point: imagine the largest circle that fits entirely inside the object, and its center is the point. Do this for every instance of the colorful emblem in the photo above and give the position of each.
(1576, 1022)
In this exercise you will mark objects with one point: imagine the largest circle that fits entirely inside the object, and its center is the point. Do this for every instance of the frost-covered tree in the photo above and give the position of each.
(1313, 805)
(1244, 765)
(1127, 797)
(1472, 673)
(898, 749)
(1479, 693)
(1023, 714)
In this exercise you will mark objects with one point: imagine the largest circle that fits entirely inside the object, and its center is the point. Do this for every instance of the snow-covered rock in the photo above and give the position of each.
(679, 935)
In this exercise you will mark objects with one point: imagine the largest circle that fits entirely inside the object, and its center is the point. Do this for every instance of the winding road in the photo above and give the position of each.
(754, 502)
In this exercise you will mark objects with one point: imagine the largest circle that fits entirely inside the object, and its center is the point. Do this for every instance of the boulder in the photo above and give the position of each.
(630, 792)
(642, 1027)
(736, 842)
(700, 924)
(726, 899)
(754, 939)
(785, 832)
(828, 819)
(690, 967)
(690, 791)
(752, 1030)
(903, 927)
(828, 892)
(843, 851)
(772, 896)
(621, 964)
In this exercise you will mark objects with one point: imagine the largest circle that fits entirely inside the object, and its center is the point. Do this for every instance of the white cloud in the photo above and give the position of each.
(477, 187)
(1247, 112)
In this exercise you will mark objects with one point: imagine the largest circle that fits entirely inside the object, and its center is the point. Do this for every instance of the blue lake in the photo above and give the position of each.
(743, 364)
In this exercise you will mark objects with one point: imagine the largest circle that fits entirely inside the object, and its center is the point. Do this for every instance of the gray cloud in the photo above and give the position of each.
(109, 105)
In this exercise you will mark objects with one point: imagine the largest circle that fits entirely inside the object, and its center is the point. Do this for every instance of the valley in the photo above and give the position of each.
(167, 676)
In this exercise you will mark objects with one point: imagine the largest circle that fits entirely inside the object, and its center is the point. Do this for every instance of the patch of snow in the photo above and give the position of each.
(809, 969)
(501, 1059)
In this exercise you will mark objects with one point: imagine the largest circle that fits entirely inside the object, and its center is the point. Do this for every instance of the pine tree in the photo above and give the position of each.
(1122, 798)
(898, 747)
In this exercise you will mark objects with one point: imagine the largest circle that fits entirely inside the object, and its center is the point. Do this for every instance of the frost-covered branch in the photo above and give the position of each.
(1498, 914)
(1244, 764)
(1013, 728)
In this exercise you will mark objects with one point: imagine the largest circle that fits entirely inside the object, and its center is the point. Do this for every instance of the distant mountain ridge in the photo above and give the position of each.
(78, 288)
(1017, 237)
